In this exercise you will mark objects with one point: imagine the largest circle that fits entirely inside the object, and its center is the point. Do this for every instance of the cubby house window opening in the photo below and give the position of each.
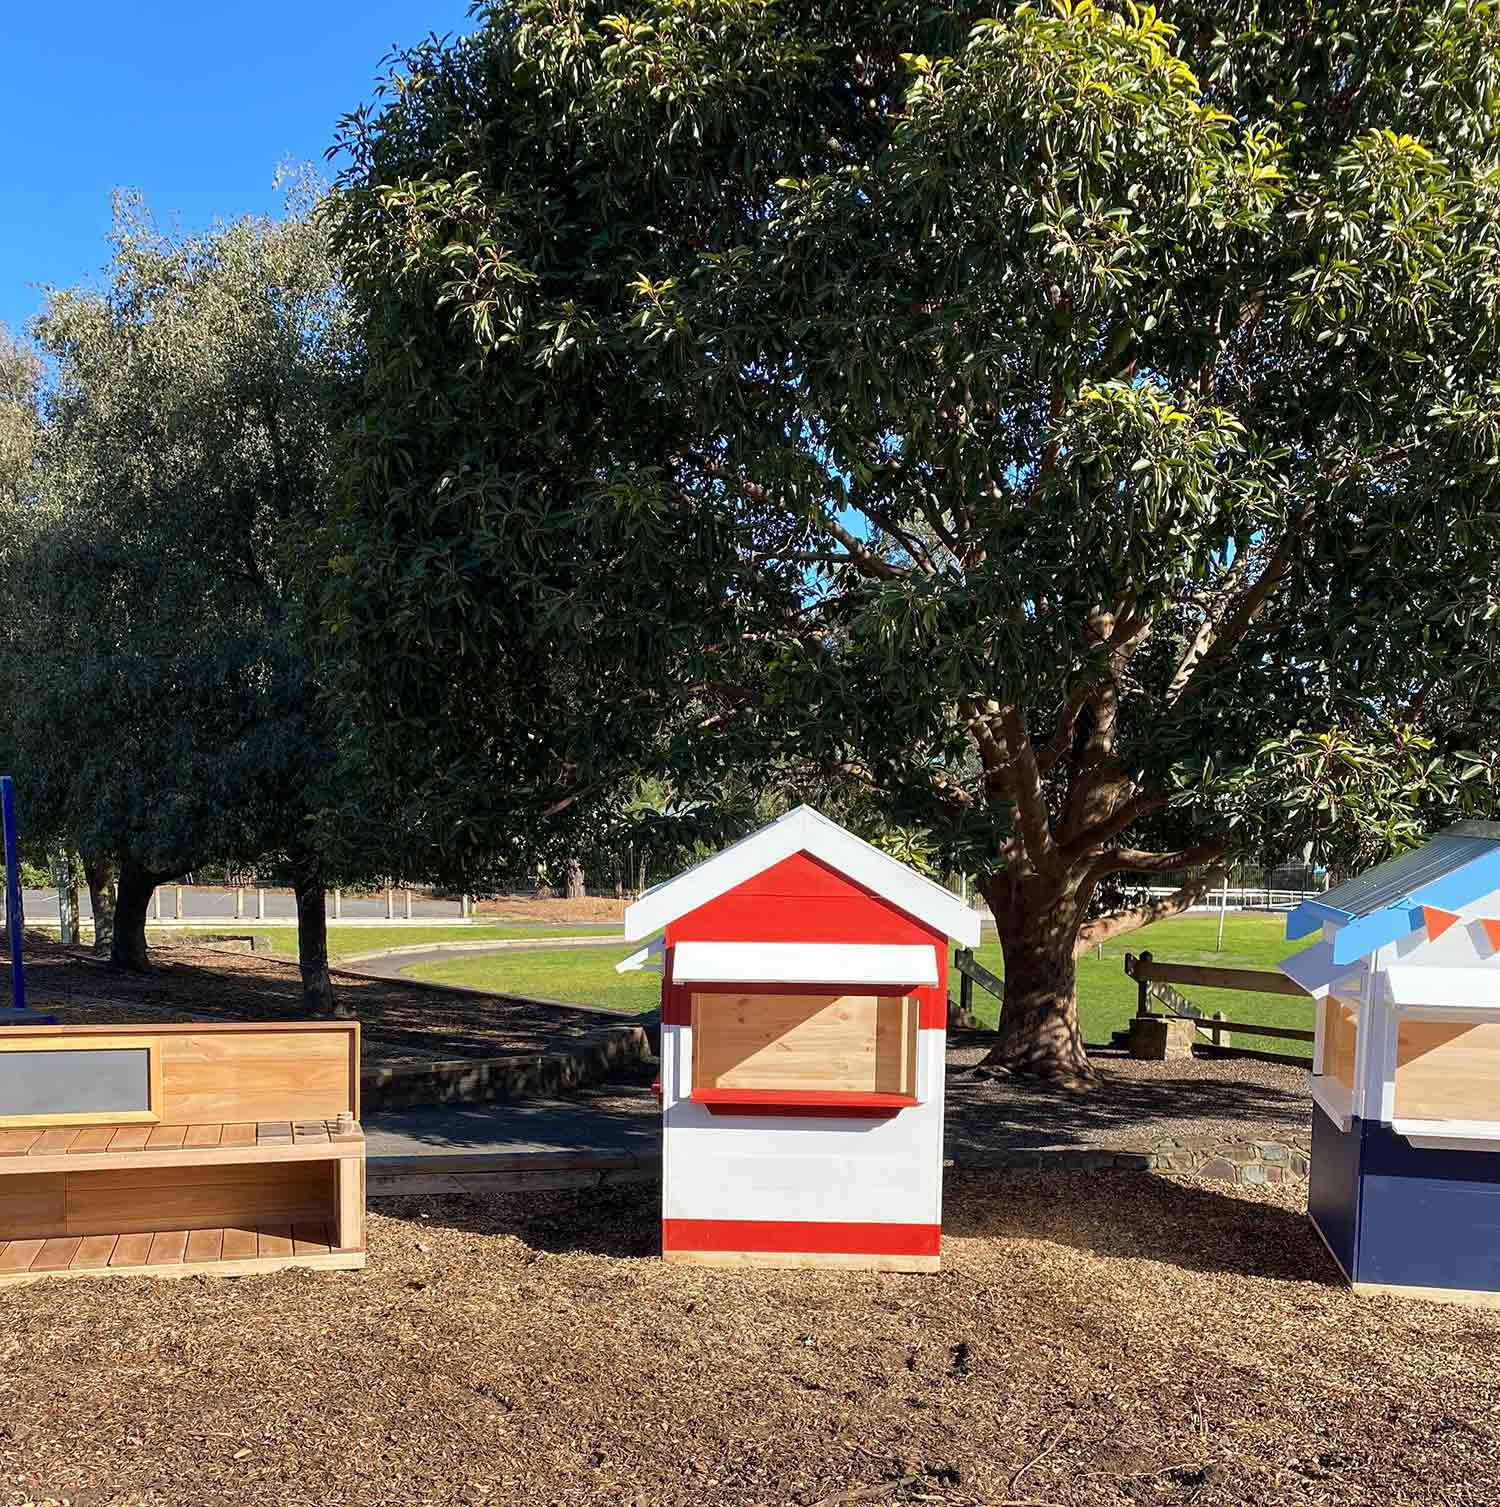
(1336, 1069)
(1444, 1072)
(812, 1051)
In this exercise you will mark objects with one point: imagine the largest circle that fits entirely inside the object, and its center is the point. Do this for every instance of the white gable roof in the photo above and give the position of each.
(803, 831)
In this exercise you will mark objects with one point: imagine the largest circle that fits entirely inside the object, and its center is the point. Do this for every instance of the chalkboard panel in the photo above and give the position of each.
(92, 1081)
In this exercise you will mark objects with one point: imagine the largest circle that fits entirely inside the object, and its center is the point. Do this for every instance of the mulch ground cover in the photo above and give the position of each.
(400, 1022)
(1094, 1340)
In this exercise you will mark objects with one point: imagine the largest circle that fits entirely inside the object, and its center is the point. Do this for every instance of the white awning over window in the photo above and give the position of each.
(1417, 984)
(802, 963)
(1314, 970)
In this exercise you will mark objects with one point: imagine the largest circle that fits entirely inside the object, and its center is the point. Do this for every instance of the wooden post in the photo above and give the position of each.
(239, 903)
(1215, 1032)
(1142, 988)
(390, 903)
(463, 908)
(351, 1203)
(260, 904)
(156, 904)
(338, 905)
(177, 902)
(408, 905)
(965, 983)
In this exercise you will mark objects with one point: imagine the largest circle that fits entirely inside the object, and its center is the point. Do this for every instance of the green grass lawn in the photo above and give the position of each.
(1106, 998)
(344, 941)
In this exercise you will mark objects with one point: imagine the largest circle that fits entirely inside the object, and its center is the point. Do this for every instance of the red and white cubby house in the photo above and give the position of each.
(804, 1010)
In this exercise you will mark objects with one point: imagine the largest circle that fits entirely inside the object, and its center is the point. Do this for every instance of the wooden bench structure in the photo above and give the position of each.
(179, 1149)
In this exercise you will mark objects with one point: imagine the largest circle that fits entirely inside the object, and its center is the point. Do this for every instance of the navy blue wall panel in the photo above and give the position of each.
(1333, 1187)
(1427, 1218)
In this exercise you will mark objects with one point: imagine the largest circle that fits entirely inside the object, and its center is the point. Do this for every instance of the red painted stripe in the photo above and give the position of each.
(801, 1235)
(800, 1101)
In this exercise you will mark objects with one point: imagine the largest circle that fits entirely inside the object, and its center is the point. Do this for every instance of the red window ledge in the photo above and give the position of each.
(798, 1101)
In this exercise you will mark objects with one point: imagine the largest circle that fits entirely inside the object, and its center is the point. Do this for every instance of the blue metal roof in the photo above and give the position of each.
(1452, 869)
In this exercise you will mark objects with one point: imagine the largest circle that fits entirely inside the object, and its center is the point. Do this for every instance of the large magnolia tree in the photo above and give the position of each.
(1078, 424)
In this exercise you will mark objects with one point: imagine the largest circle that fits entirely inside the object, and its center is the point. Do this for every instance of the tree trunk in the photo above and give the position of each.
(127, 948)
(318, 998)
(575, 889)
(102, 877)
(1039, 1035)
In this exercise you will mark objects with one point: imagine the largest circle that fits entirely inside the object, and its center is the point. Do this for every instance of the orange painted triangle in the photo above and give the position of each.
(1492, 931)
(1436, 921)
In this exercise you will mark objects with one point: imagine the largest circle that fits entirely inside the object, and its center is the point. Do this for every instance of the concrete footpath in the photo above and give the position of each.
(609, 1136)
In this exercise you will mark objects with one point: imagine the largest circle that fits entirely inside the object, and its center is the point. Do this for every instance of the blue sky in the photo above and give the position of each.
(194, 102)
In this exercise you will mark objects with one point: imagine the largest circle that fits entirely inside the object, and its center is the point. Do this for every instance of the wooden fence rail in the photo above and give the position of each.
(1158, 981)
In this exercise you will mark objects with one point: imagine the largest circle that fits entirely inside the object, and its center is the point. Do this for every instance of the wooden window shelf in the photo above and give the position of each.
(177, 1253)
(814, 1102)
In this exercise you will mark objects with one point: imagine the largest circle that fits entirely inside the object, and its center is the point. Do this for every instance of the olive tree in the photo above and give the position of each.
(1055, 420)
(166, 706)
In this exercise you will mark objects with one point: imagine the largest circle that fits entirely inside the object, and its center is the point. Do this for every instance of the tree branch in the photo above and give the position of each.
(1026, 785)
(1092, 933)
(1139, 861)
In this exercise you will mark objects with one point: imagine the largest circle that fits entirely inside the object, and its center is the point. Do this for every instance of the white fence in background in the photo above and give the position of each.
(1245, 898)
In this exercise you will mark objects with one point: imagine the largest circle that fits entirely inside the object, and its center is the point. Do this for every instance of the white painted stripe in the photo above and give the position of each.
(1452, 988)
(802, 963)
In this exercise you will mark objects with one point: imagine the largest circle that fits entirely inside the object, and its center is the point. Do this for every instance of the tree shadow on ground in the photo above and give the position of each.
(1125, 1111)
(623, 1223)
(1142, 1216)
(1111, 1215)
(400, 1020)
(620, 1115)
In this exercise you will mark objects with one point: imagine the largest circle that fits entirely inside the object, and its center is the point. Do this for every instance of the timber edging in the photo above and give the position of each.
(1249, 1162)
(593, 1058)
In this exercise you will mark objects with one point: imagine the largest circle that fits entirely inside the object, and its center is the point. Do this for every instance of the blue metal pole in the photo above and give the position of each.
(13, 916)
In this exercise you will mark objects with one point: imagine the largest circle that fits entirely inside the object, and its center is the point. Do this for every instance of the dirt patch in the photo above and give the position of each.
(1090, 1343)
(401, 1022)
(548, 908)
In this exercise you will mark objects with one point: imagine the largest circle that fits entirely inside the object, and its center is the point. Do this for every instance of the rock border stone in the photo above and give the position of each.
(1251, 1162)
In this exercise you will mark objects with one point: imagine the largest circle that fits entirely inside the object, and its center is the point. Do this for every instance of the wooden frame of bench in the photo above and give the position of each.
(249, 1157)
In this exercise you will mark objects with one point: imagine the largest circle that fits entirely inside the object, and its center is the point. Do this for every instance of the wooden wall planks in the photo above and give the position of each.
(141, 1199)
(844, 1043)
(1447, 1070)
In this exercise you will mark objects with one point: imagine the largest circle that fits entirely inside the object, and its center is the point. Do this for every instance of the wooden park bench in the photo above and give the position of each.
(179, 1149)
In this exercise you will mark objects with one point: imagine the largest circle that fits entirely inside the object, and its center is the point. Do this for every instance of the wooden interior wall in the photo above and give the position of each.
(136, 1200)
(849, 1043)
(1447, 1070)
(1340, 1026)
